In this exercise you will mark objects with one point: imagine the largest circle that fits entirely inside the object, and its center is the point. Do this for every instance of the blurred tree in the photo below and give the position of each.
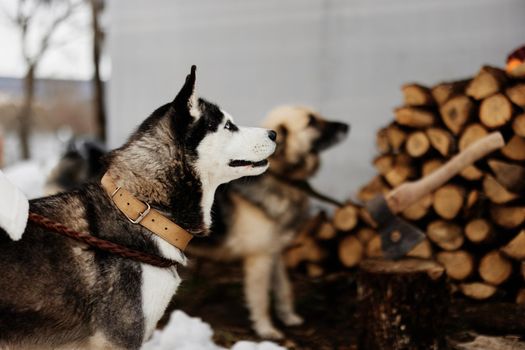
(97, 6)
(37, 22)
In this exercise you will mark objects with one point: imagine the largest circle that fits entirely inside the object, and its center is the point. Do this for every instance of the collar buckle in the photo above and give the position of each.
(141, 215)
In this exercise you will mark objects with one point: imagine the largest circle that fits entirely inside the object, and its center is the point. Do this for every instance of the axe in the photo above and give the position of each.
(397, 235)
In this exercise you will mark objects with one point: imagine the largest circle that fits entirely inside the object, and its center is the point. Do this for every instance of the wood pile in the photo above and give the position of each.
(475, 224)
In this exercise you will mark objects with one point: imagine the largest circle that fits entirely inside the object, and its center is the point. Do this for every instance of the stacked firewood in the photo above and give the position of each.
(475, 224)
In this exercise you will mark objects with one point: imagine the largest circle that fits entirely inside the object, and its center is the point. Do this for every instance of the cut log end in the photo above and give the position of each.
(417, 144)
(448, 201)
(351, 251)
(477, 290)
(456, 112)
(445, 234)
(495, 111)
(458, 264)
(346, 218)
(494, 268)
(478, 231)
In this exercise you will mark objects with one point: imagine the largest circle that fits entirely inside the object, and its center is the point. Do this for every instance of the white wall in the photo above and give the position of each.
(345, 58)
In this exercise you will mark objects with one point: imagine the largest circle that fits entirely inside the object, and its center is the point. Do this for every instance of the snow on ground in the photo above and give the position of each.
(182, 332)
(190, 333)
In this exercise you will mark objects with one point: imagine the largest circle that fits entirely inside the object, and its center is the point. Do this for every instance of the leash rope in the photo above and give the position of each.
(102, 244)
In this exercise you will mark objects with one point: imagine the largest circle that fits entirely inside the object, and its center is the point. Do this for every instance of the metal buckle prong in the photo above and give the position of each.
(141, 216)
(115, 192)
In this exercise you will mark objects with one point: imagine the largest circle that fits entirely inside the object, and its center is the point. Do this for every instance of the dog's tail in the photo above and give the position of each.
(14, 209)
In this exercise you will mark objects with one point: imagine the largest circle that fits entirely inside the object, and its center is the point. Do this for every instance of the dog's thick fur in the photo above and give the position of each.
(261, 215)
(58, 293)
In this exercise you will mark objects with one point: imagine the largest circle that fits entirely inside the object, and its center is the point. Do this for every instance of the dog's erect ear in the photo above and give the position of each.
(184, 106)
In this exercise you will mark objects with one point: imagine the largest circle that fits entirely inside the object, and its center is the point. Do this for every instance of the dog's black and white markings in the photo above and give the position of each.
(258, 217)
(58, 293)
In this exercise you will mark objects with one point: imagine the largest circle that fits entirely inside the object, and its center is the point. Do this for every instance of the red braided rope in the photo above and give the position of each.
(100, 243)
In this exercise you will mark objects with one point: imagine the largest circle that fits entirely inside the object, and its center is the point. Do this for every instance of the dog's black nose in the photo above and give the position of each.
(272, 135)
(342, 127)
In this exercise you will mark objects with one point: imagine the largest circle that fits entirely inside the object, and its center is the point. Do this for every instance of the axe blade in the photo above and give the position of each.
(398, 238)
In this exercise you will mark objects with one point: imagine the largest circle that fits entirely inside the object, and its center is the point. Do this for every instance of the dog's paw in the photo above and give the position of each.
(268, 332)
(291, 319)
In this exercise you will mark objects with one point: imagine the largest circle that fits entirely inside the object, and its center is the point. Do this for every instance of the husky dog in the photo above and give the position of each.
(57, 293)
(81, 163)
(261, 216)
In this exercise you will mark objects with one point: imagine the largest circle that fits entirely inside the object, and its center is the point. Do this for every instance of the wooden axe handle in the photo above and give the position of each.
(408, 193)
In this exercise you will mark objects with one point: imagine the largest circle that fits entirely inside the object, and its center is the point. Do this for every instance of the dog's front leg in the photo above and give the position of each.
(284, 300)
(258, 273)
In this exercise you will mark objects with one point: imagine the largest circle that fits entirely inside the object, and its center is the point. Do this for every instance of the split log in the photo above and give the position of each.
(456, 112)
(515, 148)
(365, 234)
(516, 94)
(417, 144)
(326, 231)
(479, 231)
(393, 299)
(472, 133)
(414, 117)
(422, 250)
(373, 247)
(373, 188)
(495, 111)
(472, 199)
(382, 143)
(398, 174)
(345, 218)
(477, 290)
(441, 140)
(419, 209)
(496, 192)
(417, 95)
(444, 91)
(508, 217)
(458, 264)
(516, 247)
(350, 251)
(445, 234)
(383, 163)
(520, 296)
(430, 165)
(488, 81)
(448, 201)
(304, 249)
(471, 173)
(396, 137)
(518, 125)
(494, 268)
(511, 175)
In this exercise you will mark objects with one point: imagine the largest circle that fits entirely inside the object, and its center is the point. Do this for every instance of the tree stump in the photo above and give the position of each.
(402, 304)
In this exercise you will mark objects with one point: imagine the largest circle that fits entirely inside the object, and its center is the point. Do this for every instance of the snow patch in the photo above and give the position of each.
(190, 333)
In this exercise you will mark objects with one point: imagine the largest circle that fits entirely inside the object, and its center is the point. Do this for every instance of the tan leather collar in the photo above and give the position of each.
(140, 213)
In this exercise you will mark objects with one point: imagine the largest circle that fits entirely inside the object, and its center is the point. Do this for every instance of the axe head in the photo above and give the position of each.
(398, 237)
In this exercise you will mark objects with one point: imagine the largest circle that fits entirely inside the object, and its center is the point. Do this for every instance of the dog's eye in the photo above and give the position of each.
(230, 126)
(312, 121)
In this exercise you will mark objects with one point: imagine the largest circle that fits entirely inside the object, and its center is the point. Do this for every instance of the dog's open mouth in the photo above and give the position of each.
(238, 162)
